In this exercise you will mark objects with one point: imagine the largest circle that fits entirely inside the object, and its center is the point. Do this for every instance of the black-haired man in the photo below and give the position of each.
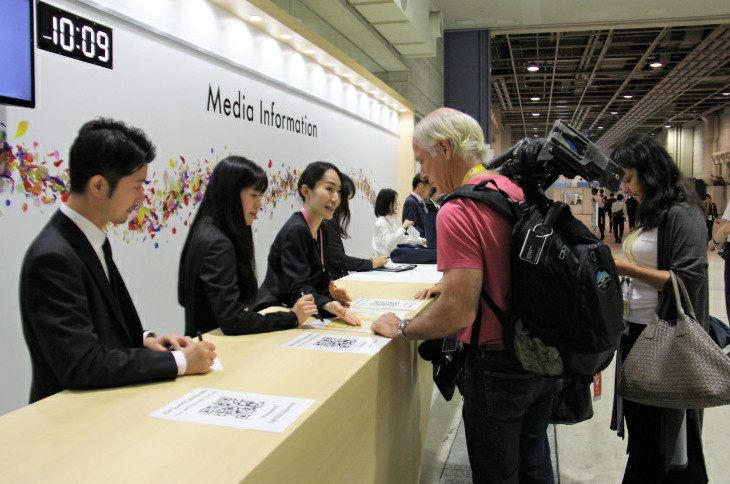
(79, 322)
(414, 207)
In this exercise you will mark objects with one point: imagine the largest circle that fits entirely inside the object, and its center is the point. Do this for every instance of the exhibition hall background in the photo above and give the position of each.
(170, 62)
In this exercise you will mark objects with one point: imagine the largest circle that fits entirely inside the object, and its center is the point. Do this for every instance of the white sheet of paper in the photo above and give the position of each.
(216, 366)
(340, 344)
(387, 304)
(235, 409)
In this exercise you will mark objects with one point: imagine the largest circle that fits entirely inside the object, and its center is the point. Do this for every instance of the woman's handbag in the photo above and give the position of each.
(675, 364)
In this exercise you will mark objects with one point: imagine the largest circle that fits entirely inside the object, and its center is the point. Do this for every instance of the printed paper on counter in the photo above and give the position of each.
(340, 344)
(235, 409)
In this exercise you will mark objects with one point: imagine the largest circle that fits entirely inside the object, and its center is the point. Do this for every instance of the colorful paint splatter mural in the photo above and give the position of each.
(41, 177)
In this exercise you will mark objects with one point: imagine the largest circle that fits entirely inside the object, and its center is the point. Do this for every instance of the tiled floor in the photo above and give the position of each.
(588, 452)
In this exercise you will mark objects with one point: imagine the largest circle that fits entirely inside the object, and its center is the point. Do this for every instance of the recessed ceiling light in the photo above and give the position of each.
(347, 74)
(255, 18)
(726, 93)
(600, 127)
(535, 98)
(310, 51)
(536, 114)
(656, 64)
(361, 83)
(614, 112)
(533, 68)
(330, 64)
(628, 96)
(667, 125)
(285, 36)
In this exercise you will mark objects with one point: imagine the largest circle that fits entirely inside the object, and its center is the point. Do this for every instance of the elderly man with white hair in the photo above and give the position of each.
(506, 409)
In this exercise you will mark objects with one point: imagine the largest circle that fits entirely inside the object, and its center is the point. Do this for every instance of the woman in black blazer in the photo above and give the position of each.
(217, 279)
(336, 261)
(297, 256)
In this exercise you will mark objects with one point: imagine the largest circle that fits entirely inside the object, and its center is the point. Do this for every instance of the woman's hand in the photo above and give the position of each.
(339, 295)
(432, 291)
(407, 223)
(338, 310)
(303, 308)
(622, 265)
(379, 261)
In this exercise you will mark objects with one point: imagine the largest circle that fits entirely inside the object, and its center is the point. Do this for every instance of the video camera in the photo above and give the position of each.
(564, 152)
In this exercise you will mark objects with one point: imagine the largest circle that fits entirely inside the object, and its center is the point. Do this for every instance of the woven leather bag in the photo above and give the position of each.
(675, 364)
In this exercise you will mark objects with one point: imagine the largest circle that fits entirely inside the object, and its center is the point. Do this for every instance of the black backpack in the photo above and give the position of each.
(566, 300)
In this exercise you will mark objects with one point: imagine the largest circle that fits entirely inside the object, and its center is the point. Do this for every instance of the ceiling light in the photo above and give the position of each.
(667, 125)
(656, 64)
(726, 93)
(285, 36)
(614, 112)
(347, 74)
(600, 127)
(628, 96)
(255, 18)
(330, 64)
(310, 51)
(535, 98)
(536, 114)
(533, 68)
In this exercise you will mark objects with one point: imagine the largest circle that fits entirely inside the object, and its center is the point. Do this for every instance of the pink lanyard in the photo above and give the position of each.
(309, 224)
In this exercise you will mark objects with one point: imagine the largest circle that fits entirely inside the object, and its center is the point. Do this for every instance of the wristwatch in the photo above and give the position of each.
(402, 327)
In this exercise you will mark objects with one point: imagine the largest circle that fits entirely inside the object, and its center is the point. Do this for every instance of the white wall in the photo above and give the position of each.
(166, 56)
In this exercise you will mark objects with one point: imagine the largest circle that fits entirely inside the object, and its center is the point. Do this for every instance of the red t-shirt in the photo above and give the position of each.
(471, 235)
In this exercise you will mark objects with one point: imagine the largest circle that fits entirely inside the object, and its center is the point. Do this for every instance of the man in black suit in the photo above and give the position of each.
(79, 322)
(414, 207)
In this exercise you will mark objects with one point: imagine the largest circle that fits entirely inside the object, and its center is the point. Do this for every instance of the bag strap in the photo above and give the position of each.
(495, 198)
(679, 286)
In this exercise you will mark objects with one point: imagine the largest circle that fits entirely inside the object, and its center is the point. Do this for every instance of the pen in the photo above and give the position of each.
(200, 336)
(316, 315)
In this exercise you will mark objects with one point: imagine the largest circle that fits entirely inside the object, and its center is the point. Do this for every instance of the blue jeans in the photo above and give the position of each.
(506, 414)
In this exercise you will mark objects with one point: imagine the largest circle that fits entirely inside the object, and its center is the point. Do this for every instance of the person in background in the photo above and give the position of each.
(720, 234)
(506, 409)
(337, 262)
(710, 214)
(217, 276)
(414, 206)
(618, 209)
(388, 233)
(296, 264)
(598, 201)
(670, 236)
(631, 204)
(430, 201)
(79, 321)
(608, 204)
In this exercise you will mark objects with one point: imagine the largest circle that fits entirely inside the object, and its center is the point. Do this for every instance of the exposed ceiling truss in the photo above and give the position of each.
(586, 78)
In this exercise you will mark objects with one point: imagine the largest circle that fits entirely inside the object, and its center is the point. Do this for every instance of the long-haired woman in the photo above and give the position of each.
(664, 445)
(337, 262)
(217, 279)
(296, 264)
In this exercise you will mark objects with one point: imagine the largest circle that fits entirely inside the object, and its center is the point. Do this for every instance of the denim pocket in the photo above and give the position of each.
(508, 395)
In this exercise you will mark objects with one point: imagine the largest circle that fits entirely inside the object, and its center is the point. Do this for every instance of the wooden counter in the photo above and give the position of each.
(368, 423)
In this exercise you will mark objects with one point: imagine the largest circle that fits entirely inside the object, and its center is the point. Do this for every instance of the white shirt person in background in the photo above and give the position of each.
(388, 232)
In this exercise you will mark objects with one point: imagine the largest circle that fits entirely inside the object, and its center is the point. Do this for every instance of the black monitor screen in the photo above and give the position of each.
(16, 53)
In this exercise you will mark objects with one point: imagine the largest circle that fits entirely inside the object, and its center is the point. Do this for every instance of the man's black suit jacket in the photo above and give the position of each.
(78, 333)
(413, 210)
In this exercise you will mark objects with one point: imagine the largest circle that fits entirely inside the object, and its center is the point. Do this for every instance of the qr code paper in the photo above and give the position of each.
(232, 407)
(385, 304)
(330, 342)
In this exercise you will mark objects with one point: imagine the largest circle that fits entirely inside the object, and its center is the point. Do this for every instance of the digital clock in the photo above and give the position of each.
(67, 34)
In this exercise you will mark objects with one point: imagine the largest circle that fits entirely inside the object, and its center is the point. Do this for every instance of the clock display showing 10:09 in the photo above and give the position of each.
(73, 36)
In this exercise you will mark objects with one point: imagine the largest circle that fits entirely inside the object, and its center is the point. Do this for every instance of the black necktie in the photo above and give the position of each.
(110, 267)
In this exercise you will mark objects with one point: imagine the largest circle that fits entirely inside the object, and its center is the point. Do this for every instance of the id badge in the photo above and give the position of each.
(534, 244)
(627, 297)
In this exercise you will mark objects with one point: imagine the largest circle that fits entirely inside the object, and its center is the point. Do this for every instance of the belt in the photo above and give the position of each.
(491, 347)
